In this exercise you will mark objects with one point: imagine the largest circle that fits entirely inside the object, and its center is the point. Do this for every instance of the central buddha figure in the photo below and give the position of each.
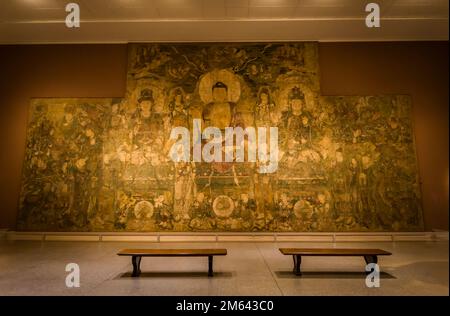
(219, 113)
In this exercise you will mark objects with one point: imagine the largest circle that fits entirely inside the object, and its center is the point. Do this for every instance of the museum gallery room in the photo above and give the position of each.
(208, 148)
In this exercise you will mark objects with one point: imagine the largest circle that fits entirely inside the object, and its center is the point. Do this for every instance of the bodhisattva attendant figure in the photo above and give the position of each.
(178, 110)
(143, 122)
(297, 120)
(148, 138)
(264, 108)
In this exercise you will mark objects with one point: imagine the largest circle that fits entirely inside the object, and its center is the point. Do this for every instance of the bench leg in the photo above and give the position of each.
(370, 259)
(210, 266)
(297, 262)
(136, 261)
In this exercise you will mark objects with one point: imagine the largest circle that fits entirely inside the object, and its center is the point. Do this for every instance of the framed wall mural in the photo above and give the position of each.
(344, 163)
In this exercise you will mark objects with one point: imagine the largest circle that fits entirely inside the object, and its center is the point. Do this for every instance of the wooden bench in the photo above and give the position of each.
(370, 255)
(137, 254)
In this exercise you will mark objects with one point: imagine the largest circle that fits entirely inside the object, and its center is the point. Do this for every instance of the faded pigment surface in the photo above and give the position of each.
(345, 163)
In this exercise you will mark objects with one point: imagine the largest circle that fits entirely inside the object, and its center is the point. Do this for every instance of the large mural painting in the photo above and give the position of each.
(344, 163)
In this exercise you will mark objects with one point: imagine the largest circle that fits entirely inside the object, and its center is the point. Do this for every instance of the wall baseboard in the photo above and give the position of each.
(226, 237)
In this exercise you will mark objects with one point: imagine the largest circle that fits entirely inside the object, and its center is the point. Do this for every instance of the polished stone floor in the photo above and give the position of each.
(38, 268)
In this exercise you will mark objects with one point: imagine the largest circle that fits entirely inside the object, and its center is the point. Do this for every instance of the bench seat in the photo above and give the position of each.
(370, 255)
(137, 254)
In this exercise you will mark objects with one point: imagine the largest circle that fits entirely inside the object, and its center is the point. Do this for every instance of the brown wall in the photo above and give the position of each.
(419, 69)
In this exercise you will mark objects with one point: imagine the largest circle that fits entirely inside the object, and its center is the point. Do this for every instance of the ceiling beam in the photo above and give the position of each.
(394, 29)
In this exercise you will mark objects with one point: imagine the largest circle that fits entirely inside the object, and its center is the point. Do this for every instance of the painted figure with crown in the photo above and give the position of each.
(297, 120)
